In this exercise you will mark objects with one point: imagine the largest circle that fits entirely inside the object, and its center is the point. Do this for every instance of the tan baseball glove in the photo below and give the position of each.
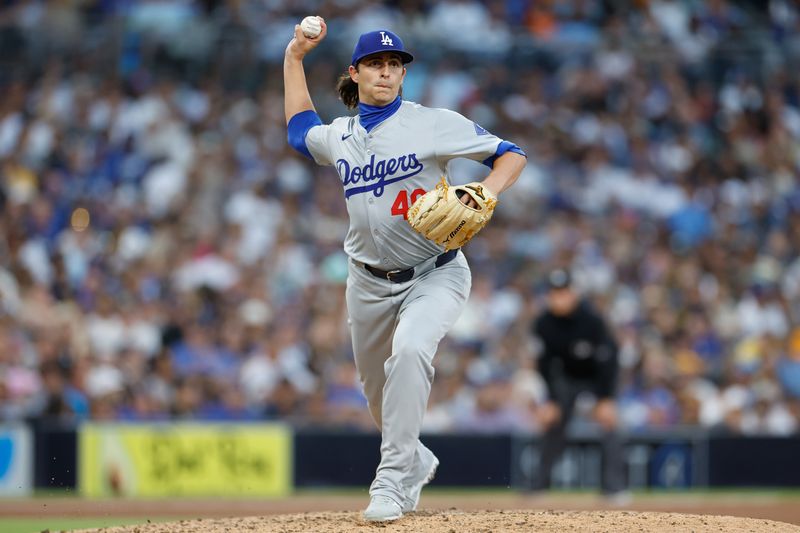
(440, 216)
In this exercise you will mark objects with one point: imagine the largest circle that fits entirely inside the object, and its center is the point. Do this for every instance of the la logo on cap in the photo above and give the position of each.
(386, 40)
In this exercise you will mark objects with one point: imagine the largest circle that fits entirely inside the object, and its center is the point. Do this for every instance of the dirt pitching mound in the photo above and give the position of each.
(455, 521)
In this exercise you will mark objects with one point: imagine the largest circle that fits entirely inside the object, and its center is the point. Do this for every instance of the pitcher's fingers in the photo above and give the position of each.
(468, 200)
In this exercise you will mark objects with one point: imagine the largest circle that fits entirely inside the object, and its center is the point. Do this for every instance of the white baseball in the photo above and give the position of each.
(311, 27)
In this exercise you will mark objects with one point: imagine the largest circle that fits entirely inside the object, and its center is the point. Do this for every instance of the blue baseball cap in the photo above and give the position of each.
(374, 42)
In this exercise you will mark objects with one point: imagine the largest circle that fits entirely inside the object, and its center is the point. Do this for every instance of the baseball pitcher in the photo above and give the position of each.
(408, 281)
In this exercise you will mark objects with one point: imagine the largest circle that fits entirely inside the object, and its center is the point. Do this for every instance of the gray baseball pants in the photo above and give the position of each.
(396, 329)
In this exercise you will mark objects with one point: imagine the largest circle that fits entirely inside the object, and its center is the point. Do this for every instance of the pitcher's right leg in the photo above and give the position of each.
(429, 309)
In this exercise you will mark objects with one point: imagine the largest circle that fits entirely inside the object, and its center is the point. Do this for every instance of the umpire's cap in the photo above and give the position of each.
(379, 41)
(559, 279)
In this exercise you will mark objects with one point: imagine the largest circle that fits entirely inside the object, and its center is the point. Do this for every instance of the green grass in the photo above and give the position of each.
(36, 525)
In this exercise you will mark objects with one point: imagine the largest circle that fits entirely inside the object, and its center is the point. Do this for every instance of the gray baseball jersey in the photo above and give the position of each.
(385, 170)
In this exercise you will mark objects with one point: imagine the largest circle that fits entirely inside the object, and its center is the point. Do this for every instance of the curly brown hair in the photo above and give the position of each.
(348, 91)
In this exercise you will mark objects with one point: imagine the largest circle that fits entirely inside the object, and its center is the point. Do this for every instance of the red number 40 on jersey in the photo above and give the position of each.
(401, 204)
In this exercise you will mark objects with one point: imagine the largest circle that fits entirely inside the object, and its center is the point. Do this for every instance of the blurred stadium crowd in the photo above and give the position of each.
(165, 255)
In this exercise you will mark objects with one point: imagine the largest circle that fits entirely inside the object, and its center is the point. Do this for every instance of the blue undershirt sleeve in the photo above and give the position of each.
(298, 128)
(502, 148)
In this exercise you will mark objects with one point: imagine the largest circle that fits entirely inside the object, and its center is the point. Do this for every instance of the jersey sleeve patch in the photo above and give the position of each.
(479, 130)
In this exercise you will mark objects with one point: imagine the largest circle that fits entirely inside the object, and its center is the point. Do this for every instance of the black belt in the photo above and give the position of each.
(401, 276)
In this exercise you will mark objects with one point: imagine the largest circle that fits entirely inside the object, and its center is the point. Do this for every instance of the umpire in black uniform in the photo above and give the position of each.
(579, 354)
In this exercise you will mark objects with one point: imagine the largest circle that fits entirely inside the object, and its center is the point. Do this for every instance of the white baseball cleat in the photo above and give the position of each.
(414, 488)
(382, 509)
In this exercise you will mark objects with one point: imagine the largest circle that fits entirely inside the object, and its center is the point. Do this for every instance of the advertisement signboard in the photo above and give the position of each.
(16, 461)
(152, 460)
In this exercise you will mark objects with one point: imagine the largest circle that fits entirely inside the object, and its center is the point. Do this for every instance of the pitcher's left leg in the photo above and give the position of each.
(429, 310)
